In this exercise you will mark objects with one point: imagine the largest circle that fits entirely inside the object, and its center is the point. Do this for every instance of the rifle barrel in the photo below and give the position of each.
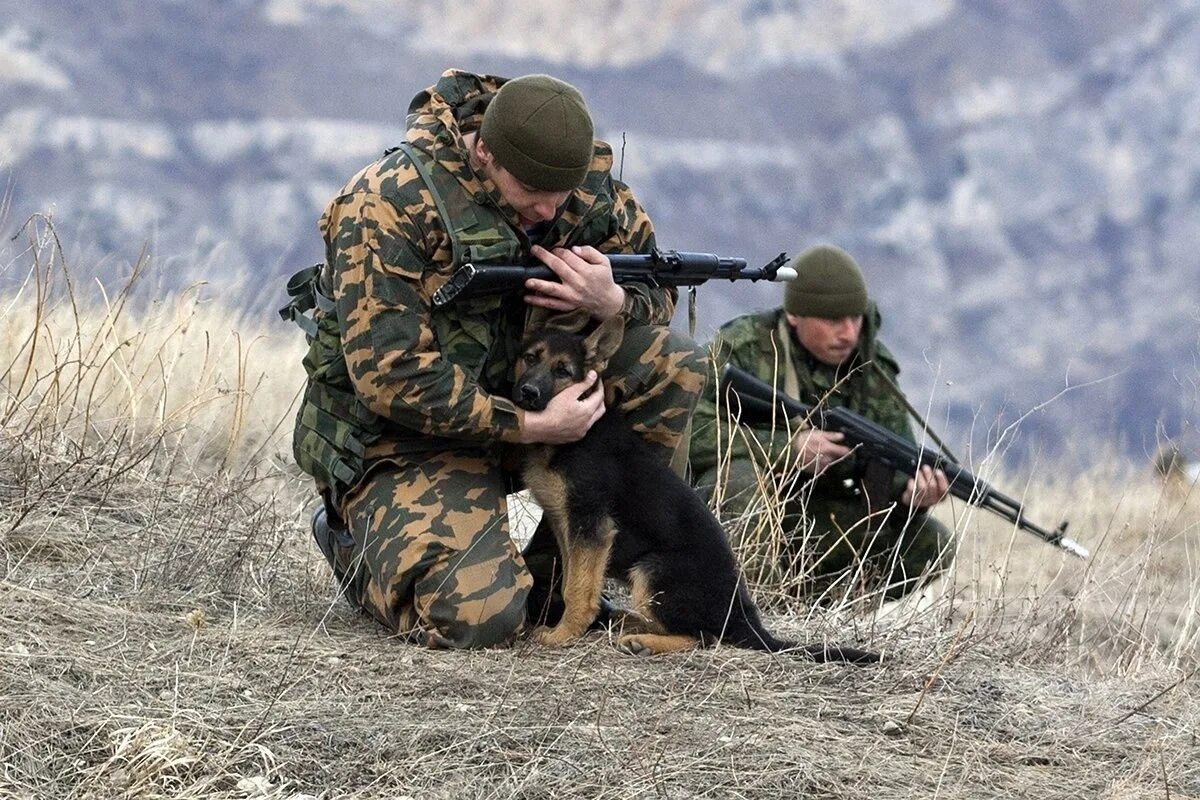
(656, 268)
(759, 400)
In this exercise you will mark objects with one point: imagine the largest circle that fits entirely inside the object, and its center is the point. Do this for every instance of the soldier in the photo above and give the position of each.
(843, 520)
(407, 408)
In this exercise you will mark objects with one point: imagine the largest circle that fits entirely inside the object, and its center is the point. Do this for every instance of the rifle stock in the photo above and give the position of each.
(656, 268)
(758, 401)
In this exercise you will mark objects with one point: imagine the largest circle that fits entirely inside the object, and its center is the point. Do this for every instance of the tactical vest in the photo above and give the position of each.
(333, 428)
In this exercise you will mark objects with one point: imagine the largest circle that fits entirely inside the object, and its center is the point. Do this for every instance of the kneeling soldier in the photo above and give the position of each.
(406, 408)
(859, 523)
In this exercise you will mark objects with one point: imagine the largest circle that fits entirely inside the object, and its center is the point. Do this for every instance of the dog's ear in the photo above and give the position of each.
(599, 347)
(571, 322)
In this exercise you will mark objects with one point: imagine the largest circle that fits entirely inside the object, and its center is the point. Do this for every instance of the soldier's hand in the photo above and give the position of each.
(927, 488)
(568, 416)
(585, 281)
(818, 449)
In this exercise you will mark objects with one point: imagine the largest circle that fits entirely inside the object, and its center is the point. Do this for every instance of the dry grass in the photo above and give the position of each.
(1135, 598)
(168, 631)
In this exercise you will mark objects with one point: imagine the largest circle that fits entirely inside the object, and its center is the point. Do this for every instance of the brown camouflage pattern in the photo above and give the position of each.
(445, 573)
(437, 372)
(433, 557)
(833, 534)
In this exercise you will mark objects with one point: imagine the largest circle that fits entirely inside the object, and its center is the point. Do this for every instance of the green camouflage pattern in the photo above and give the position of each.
(402, 396)
(833, 532)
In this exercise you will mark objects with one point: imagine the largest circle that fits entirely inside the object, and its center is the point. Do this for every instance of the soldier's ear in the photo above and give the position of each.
(571, 322)
(481, 151)
(599, 347)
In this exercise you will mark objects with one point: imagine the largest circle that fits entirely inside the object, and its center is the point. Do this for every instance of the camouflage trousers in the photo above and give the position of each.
(832, 541)
(432, 557)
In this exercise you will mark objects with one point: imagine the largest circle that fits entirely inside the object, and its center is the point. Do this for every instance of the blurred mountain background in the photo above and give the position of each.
(1020, 181)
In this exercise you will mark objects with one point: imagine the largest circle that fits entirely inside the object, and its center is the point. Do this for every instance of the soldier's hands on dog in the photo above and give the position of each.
(586, 282)
(568, 416)
(818, 449)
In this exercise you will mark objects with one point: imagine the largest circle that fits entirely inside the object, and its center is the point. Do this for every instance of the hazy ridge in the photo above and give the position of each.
(1021, 184)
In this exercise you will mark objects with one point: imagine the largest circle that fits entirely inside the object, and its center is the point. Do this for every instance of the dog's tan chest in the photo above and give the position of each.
(547, 486)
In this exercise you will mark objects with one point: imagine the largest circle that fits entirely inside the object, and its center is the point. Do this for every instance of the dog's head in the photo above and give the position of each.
(559, 355)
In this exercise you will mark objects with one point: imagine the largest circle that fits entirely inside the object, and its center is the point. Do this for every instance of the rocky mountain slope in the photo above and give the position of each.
(1020, 182)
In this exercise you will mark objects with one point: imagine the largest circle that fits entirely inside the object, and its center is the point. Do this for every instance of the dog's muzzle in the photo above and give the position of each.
(529, 397)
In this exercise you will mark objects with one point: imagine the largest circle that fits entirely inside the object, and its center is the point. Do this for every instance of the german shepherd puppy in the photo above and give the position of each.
(617, 510)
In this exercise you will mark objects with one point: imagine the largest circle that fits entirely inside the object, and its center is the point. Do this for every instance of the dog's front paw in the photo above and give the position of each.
(557, 636)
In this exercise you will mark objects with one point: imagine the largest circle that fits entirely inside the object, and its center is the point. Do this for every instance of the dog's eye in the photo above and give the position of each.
(561, 371)
(529, 358)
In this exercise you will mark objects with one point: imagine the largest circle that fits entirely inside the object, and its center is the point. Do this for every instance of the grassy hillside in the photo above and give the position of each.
(167, 630)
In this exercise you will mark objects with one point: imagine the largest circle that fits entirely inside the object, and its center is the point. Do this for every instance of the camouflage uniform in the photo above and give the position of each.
(847, 517)
(407, 407)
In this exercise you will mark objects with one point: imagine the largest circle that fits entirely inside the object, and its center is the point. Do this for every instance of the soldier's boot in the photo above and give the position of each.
(337, 545)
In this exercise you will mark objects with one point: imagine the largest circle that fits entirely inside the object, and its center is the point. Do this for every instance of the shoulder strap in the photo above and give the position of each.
(423, 171)
(899, 395)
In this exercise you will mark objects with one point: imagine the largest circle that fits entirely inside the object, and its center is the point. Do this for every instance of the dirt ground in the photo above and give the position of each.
(169, 634)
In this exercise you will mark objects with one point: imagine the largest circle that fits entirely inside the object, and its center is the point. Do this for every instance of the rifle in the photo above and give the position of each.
(656, 268)
(760, 402)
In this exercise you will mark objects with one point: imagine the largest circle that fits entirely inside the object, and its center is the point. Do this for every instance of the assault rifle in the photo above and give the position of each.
(760, 403)
(657, 268)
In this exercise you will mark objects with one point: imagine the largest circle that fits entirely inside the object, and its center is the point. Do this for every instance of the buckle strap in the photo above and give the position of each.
(304, 291)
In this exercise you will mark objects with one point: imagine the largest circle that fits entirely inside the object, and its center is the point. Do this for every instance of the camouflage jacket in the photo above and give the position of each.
(420, 374)
(752, 343)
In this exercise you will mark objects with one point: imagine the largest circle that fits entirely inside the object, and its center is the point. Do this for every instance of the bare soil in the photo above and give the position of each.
(169, 633)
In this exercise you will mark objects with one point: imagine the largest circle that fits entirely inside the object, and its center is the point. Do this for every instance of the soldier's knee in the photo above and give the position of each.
(926, 556)
(497, 630)
(736, 485)
(659, 356)
(480, 615)
(742, 475)
(690, 354)
(706, 483)
(938, 545)
(684, 357)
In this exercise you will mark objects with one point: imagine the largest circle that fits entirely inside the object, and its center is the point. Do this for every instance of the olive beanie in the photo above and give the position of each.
(827, 284)
(539, 129)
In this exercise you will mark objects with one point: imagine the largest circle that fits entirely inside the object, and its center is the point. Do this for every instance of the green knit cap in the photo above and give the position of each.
(539, 129)
(827, 284)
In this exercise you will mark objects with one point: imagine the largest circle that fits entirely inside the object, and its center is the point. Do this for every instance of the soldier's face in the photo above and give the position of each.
(532, 205)
(831, 341)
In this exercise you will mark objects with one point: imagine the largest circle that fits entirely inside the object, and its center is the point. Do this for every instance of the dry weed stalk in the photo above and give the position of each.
(199, 376)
